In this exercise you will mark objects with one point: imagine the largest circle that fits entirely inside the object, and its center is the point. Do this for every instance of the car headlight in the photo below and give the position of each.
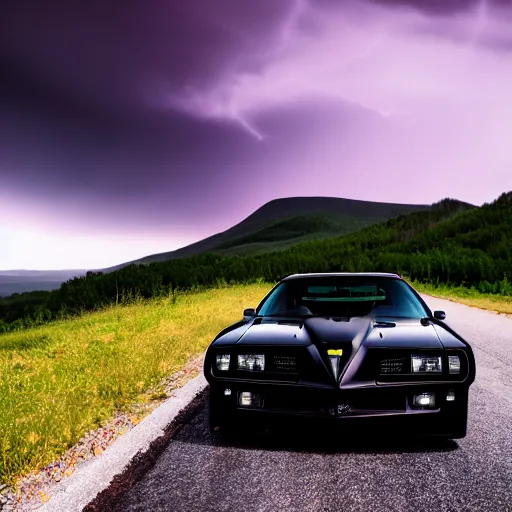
(223, 362)
(426, 364)
(453, 364)
(251, 362)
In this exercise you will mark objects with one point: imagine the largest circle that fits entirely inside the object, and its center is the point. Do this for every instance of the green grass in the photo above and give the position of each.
(468, 296)
(61, 380)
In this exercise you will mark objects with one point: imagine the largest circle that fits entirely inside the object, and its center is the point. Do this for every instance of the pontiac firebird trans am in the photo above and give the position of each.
(347, 347)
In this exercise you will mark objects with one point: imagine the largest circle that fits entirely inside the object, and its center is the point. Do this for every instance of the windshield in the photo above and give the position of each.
(341, 296)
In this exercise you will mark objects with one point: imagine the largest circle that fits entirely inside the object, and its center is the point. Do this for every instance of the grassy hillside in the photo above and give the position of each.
(447, 244)
(280, 220)
(294, 230)
(501, 303)
(59, 381)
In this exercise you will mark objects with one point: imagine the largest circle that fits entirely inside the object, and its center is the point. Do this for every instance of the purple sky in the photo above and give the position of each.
(128, 128)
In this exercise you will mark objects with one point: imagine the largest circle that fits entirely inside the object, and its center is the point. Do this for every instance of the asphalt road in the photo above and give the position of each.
(198, 472)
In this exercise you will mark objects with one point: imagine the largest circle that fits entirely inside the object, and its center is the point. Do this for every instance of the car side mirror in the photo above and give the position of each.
(249, 314)
(439, 315)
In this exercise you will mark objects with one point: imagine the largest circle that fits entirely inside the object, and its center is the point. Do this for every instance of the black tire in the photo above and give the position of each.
(213, 414)
(460, 429)
(457, 425)
(218, 418)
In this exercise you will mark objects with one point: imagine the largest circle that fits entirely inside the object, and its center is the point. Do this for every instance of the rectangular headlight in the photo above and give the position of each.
(453, 364)
(426, 364)
(251, 362)
(223, 362)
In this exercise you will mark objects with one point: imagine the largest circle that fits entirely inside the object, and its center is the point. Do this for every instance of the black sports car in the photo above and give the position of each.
(344, 347)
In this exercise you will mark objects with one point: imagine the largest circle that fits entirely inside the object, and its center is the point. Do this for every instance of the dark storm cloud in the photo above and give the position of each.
(127, 171)
(82, 64)
(111, 53)
(165, 114)
(500, 42)
(431, 6)
(439, 7)
(83, 84)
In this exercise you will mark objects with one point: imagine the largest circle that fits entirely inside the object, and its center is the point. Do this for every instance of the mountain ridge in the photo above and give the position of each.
(450, 243)
(276, 225)
(286, 208)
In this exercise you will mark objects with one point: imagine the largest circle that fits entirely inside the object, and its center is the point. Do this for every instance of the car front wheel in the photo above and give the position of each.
(219, 418)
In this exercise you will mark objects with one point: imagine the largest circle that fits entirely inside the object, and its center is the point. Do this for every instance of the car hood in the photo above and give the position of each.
(342, 333)
(275, 332)
(375, 332)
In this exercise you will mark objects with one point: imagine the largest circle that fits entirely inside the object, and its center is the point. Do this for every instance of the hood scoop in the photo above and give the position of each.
(341, 319)
(383, 323)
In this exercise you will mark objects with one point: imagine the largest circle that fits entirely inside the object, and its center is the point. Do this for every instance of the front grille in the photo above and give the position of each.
(284, 363)
(394, 365)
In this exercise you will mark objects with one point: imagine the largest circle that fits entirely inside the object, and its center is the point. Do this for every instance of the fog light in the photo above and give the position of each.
(227, 392)
(450, 396)
(246, 399)
(424, 400)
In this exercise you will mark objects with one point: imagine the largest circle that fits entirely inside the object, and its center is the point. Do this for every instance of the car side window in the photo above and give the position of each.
(276, 302)
(401, 301)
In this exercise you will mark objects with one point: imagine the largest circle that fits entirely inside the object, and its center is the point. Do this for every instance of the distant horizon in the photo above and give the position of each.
(4, 271)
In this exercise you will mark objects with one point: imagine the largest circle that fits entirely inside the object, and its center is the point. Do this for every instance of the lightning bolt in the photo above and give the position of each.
(247, 126)
(286, 33)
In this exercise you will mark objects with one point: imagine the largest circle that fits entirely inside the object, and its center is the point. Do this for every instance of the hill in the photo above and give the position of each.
(451, 242)
(284, 222)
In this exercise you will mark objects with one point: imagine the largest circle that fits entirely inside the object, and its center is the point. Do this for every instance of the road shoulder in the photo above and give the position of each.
(96, 475)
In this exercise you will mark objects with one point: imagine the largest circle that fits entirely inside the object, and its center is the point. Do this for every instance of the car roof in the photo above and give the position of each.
(341, 274)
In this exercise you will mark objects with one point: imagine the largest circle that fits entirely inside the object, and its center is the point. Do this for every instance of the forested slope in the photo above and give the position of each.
(448, 244)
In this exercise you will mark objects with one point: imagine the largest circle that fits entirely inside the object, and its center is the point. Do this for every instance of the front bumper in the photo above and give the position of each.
(389, 405)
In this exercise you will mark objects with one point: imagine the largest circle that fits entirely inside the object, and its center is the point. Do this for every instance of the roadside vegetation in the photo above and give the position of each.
(450, 244)
(501, 303)
(61, 380)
